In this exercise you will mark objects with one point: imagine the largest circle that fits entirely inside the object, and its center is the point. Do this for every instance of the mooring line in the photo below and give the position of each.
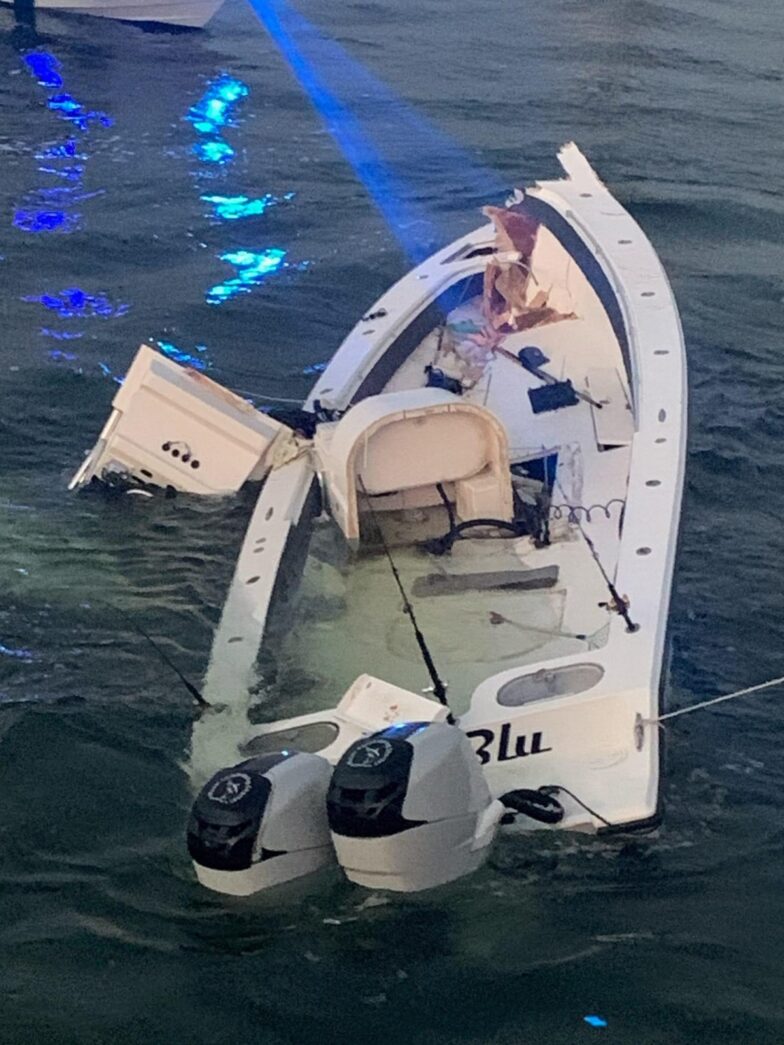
(717, 700)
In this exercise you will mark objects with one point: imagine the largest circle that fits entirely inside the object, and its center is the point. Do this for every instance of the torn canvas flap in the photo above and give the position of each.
(512, 301)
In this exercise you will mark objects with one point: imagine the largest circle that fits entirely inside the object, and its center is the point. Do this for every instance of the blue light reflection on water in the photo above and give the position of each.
(232, 208)
(66, 194)
(69, 173)
(61, 335)
(211, 114)
(46, 220)
(64, 149)
(34, 216)
(18, 654)
(76, 302)
(330, 76)
(253, 267)
(179, 355)
(68, 107)
(51, 209)
(45, 67)
(213, 110)
(219, 152)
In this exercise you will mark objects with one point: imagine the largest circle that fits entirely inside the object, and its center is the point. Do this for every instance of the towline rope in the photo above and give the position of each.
(718, 700)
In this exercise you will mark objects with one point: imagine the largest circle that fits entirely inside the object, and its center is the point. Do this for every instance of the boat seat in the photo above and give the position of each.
(399, 446)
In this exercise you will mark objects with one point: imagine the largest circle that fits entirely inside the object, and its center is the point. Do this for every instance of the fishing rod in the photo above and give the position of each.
(439, 686)
(194, 692)
(619, 604)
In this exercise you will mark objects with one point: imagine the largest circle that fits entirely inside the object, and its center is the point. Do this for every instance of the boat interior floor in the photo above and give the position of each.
(492, 603)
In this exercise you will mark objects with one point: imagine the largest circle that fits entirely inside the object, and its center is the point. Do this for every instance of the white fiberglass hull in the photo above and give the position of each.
(587, 729)
(187, 14)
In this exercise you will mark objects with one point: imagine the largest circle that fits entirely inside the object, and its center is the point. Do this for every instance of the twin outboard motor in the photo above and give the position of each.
(261, 823)
(405, 809)
(409, 808)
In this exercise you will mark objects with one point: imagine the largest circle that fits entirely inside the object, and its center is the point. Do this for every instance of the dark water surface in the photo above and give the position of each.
(105, 241)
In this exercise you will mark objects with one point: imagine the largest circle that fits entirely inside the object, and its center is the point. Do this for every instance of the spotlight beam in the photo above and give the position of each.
(340, 88)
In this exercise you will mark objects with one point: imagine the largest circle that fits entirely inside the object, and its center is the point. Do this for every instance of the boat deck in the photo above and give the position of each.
(472, 605)
(351, 606)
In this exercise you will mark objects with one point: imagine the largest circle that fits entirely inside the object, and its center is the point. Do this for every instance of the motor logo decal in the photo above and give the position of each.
(370, 754)
(229, 790)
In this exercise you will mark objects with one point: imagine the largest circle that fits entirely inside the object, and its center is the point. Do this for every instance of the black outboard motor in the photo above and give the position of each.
(261, 823)
(409, 808)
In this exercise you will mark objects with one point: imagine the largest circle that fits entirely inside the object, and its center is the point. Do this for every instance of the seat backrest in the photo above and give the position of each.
(422, 449)
(411, 440)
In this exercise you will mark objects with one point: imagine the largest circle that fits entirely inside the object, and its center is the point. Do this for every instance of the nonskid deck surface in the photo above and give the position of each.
(351, 617)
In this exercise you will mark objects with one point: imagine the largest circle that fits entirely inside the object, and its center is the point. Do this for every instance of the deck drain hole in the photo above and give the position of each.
(269, 514)
(648, 294)
(624, 242)
(662, 417)
(259, 549)
(661, 352)
(661, 439)
(643, 551)
(366, 332)
(236, 638)
(653, 482)
(252, 580)
(586, 195)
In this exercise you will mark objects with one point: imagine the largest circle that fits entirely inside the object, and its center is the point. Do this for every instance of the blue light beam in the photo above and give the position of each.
(331, 78)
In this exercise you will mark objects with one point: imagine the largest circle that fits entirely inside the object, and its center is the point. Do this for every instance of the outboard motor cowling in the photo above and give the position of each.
(409, 808)
(261, 823)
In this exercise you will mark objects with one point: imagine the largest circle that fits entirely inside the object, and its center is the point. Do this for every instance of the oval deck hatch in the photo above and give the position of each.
(549, 682)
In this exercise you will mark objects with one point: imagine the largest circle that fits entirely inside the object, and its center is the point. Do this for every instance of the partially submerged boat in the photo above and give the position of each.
(483, 488)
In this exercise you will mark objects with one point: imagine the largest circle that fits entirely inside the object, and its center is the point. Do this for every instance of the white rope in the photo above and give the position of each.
(270, 399)
(718, 700)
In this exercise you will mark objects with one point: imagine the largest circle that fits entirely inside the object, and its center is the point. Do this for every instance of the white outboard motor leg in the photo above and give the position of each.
(409, 808)
(261, 823)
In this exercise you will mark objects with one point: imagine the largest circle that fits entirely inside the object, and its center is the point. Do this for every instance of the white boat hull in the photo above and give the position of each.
(187, 14)
(554, 640)
(588, 739)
